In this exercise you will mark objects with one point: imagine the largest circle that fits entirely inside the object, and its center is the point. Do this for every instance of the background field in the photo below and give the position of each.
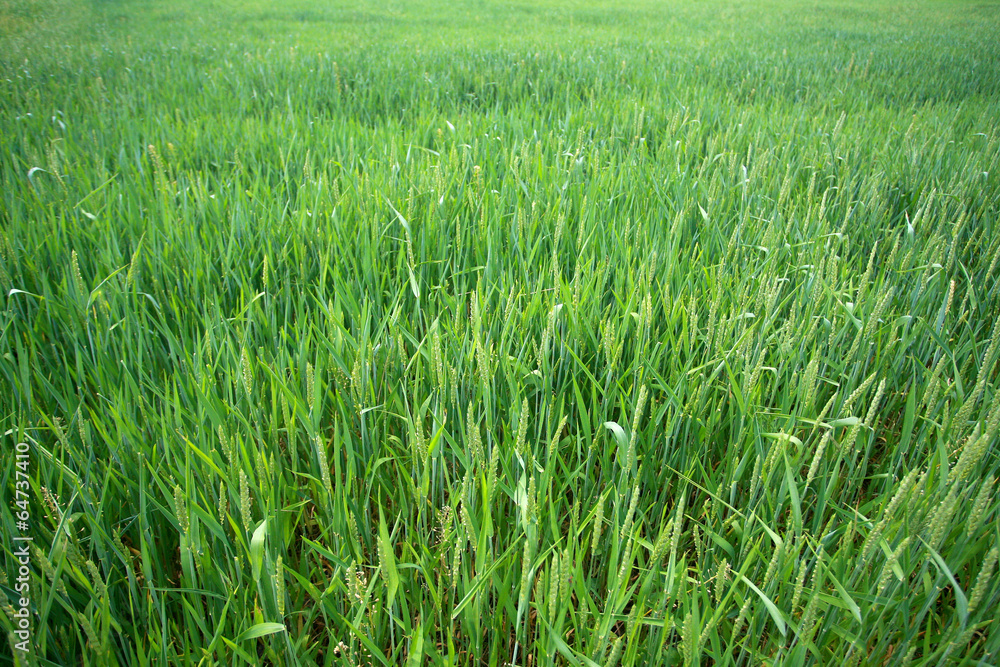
(493, 332)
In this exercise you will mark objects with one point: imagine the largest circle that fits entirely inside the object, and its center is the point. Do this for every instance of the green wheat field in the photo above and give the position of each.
(495, 332)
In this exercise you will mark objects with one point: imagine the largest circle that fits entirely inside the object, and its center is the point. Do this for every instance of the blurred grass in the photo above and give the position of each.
(495, 332)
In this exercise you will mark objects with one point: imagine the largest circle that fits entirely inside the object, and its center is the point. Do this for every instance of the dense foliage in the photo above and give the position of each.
(385, 332)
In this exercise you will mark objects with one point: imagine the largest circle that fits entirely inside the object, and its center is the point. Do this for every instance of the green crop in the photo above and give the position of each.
(380, 333)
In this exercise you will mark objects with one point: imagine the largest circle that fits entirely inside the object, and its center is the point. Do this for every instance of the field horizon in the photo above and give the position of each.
(379, 333)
